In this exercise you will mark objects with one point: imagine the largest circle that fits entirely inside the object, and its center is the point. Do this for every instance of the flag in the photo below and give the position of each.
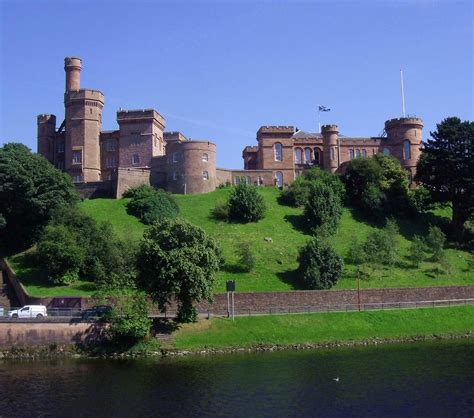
(323, 108)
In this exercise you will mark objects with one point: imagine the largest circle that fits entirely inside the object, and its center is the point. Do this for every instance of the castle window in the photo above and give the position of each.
(110, 162)
(77, 157)
(60, 165)
(307, 155)
(406, 150)
(357, 153)
(298, 156)
(110, 145)
(279, 179)
(278, 151)
(351, 154)
(364, 153)
(260, 180)
(175, 157)
(175, 175)
(61, 147)
(331, 154)
(205, 175)
(205, 157)
(386, 151)
(236, 180)
(317, 156)
(135, 159)
(77, 178)
(248, 180)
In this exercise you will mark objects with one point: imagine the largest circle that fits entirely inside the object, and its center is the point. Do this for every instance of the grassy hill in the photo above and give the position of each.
(276, 260)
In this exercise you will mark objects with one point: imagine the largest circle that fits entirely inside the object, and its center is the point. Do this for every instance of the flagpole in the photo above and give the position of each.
(319, 119)
(403, 92)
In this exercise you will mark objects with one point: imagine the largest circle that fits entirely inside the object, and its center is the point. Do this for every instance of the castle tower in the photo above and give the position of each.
(83, 109)
(404, 135)
(46, 134)
(330, 152)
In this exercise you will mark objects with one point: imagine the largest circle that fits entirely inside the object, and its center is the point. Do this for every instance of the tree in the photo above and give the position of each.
(178, 260)
(30, 189)
(323, 209)
(319, 265)
(417, 250)
(246, 257)
(435, 242)
(381, 245)
(446, 168)
(246, 204)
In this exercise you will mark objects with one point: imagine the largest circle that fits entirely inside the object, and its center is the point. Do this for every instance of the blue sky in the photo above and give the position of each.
(218, 70)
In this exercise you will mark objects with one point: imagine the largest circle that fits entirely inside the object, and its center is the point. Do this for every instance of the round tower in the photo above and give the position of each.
(72, 66)
(405, 137)
(330, 152)
(46, 133)
(191, 166)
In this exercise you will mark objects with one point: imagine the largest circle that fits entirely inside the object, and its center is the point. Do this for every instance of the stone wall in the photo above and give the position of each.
(95, 189)
(131, 177)
(30, 333)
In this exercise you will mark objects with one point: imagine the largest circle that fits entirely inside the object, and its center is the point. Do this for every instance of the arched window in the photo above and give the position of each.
(307, 155)
(205, 157)
(357, 153)
(205, 175)
(406, 150)
(317, 156)
(386, 151)
(364, 153)
(298, 156)
(351, 154)
(277, 148)
(331, 153)
(279, 178)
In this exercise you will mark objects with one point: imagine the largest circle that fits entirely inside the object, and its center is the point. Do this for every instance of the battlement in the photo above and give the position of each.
(46, 118)
(85, 94)
(174, 136)
(124, 116)
(276, 129)
(329, 128)
(250, 148)
(410, 120)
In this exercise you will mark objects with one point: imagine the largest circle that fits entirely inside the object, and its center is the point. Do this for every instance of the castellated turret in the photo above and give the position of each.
(46, 135)
(330, 156)
(404, 135)
(83, 110)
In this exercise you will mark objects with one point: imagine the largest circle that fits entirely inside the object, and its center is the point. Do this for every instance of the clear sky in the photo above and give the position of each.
(218, 70)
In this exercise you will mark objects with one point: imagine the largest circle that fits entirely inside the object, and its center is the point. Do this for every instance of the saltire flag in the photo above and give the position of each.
(323, 108)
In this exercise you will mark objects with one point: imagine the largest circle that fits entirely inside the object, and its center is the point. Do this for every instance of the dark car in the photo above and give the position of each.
(96, 311)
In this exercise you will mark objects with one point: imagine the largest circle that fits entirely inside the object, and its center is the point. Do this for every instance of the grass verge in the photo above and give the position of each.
(325, 328)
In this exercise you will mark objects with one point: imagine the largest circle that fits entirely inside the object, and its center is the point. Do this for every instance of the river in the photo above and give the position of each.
(433, 379)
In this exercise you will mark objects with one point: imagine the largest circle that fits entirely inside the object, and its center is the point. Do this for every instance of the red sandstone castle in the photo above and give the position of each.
(140, 151)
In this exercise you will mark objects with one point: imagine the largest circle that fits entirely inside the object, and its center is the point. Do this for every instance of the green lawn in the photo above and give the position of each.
(325, 327)
(276, 260)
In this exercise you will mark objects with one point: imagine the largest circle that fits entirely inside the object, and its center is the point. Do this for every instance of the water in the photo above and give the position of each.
(419, 380)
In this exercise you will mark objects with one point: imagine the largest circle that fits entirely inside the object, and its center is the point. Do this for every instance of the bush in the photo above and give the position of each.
(296, 194)
(323, 209)
(435, 242)
(382, 245)
(139, 192)
(319, 265)
(60, 254)
(246, 257)
(221, 211)
(420, 199)
(150, 205)
(417, 250)
(246, 204)
(327, 178)
(356, 254)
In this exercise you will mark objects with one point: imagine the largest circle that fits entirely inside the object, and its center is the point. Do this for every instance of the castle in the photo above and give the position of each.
(140, 151)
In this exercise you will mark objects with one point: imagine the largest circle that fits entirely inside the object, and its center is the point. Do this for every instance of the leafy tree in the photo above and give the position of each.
(316, 174)
(319, 265)
(246, 204)
(446, 169)
(420, 199)
(246, 257)
(60, 254)
(435, 242)
(417, 250)
(30, 189)
(178, 260)
(381, 245)
(149, 204)
(323, 209)
(129, 319)
(296, 194)
(356, 254)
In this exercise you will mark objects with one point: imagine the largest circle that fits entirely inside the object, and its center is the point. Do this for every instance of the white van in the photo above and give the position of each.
(29, 311)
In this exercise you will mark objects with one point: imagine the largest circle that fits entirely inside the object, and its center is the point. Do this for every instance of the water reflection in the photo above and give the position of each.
(430, 379)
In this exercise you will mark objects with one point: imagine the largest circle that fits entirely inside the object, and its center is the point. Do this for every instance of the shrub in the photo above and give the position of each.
(139, 192)
(323, 209)
(420, 199)
(60, 254)
(382, 245)
(246, 204)
(319, 265)
(417, 250)
(246, 257)
(356, 254)
(296, 194)
(435, 242)
(221, 211)
(150, 205)
(328, 178)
